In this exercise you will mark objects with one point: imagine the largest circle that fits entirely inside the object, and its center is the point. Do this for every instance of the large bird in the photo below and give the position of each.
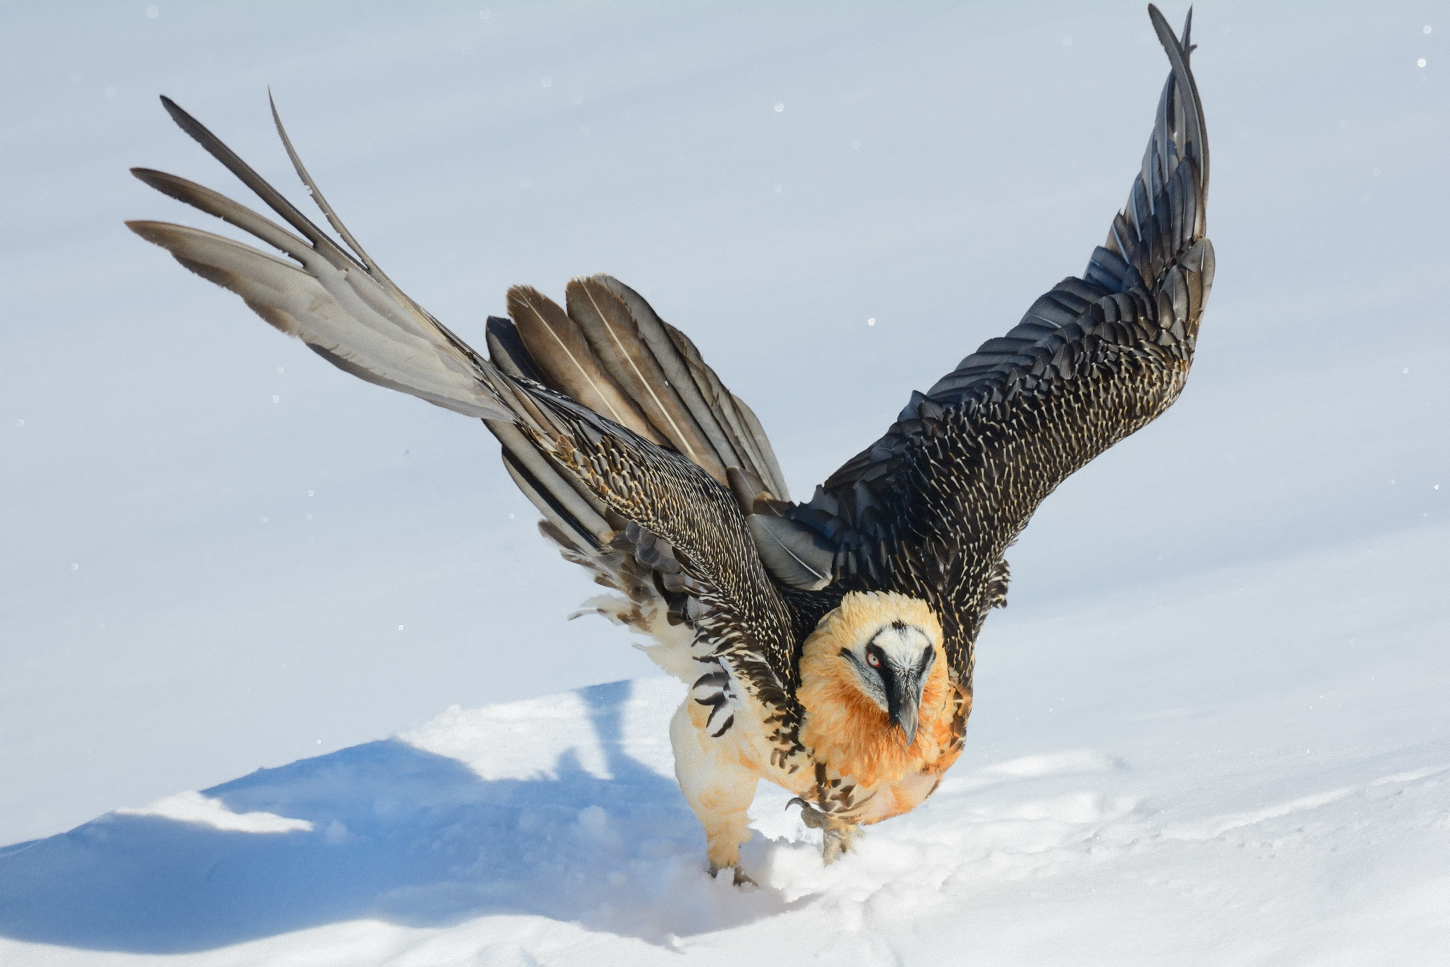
(828, 645)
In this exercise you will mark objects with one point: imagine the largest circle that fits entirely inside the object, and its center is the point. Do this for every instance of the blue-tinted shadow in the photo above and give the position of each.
(398, 833)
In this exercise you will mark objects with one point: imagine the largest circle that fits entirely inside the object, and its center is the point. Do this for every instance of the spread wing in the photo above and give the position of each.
(641, 460)
(340, 304)
(930, 508)
(632, 455)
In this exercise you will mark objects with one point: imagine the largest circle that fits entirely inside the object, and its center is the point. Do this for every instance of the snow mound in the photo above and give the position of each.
(193, 807)
(395, 844)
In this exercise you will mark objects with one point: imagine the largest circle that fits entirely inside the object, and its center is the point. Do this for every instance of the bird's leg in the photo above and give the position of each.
(837, 836)
(839, 839)
(741, 878)
(716, 785)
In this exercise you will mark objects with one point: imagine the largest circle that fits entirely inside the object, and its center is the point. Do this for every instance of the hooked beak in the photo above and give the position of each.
(903, 701)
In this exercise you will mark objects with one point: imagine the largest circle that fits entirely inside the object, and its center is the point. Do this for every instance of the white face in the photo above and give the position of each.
(886, 658)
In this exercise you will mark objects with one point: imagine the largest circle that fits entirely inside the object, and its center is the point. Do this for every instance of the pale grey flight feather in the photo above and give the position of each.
(349, 312)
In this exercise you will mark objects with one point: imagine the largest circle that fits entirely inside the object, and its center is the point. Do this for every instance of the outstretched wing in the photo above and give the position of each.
(930, 508)
(636, 484)
(341, 305)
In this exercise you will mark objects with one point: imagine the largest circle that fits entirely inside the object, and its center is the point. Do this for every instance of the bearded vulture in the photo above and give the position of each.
(827, 645)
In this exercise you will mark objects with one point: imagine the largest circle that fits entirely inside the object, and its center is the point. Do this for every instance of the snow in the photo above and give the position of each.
(1180, 803)
(1209, 728)
(193, 807)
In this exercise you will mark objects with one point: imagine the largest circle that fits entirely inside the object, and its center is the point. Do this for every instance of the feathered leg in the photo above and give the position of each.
(716, 785)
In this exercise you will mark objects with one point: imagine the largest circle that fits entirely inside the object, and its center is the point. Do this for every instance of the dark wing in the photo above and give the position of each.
(672, 516)
(930, 508)
(610, 351)
(643, 495)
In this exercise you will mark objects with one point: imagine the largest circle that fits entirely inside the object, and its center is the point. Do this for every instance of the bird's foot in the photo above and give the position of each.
(740, 876)
(840, 839)
(838, 836)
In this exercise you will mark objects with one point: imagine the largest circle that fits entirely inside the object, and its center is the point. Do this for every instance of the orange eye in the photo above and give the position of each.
(872, 660)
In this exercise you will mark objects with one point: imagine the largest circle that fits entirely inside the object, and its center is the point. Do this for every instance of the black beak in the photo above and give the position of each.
(903, 700)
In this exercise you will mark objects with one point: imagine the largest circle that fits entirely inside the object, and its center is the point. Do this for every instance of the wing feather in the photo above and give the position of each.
(930, 508)
(614, 336)
(654, 331)
(352, 337)
(352, 315)
(562, 353)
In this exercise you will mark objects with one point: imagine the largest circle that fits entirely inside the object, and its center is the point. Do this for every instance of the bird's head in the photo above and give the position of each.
(883, 645)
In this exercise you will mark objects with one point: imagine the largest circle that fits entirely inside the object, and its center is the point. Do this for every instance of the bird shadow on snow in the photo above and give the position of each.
(396, 833)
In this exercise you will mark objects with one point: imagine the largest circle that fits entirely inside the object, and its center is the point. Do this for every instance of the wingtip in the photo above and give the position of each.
(175, 110)
(1161, 27)
(1178, 57)
(159, 180)
(1165, 32)
(194, 128)
(151, 231)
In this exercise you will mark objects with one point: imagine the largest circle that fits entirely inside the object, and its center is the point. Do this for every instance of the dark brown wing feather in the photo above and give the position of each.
(658, 489)
(631, 478)
(658, 496)
(611, 352)
(616, 342)
(930, 508)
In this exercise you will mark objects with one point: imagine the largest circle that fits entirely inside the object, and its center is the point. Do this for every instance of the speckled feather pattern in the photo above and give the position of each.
(931, 508)
(972, 478)
(742, 617)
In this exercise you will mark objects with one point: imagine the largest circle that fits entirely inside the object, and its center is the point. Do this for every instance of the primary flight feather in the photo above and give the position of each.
(828, 645)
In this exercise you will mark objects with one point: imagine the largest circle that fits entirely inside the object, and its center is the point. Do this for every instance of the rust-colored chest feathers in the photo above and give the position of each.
(881, 711)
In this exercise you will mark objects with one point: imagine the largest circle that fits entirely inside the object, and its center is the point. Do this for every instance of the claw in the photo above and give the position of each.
(838, 837)
(741, 878)
(810, 815)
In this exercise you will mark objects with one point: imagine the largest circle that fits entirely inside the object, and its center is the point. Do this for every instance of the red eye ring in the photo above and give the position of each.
(872, 660)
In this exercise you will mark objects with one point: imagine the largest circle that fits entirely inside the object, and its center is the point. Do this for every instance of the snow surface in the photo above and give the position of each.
(1139, 787)
(1210, 728)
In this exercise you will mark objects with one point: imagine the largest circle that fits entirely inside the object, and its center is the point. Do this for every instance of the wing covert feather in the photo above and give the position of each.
(663, 496)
